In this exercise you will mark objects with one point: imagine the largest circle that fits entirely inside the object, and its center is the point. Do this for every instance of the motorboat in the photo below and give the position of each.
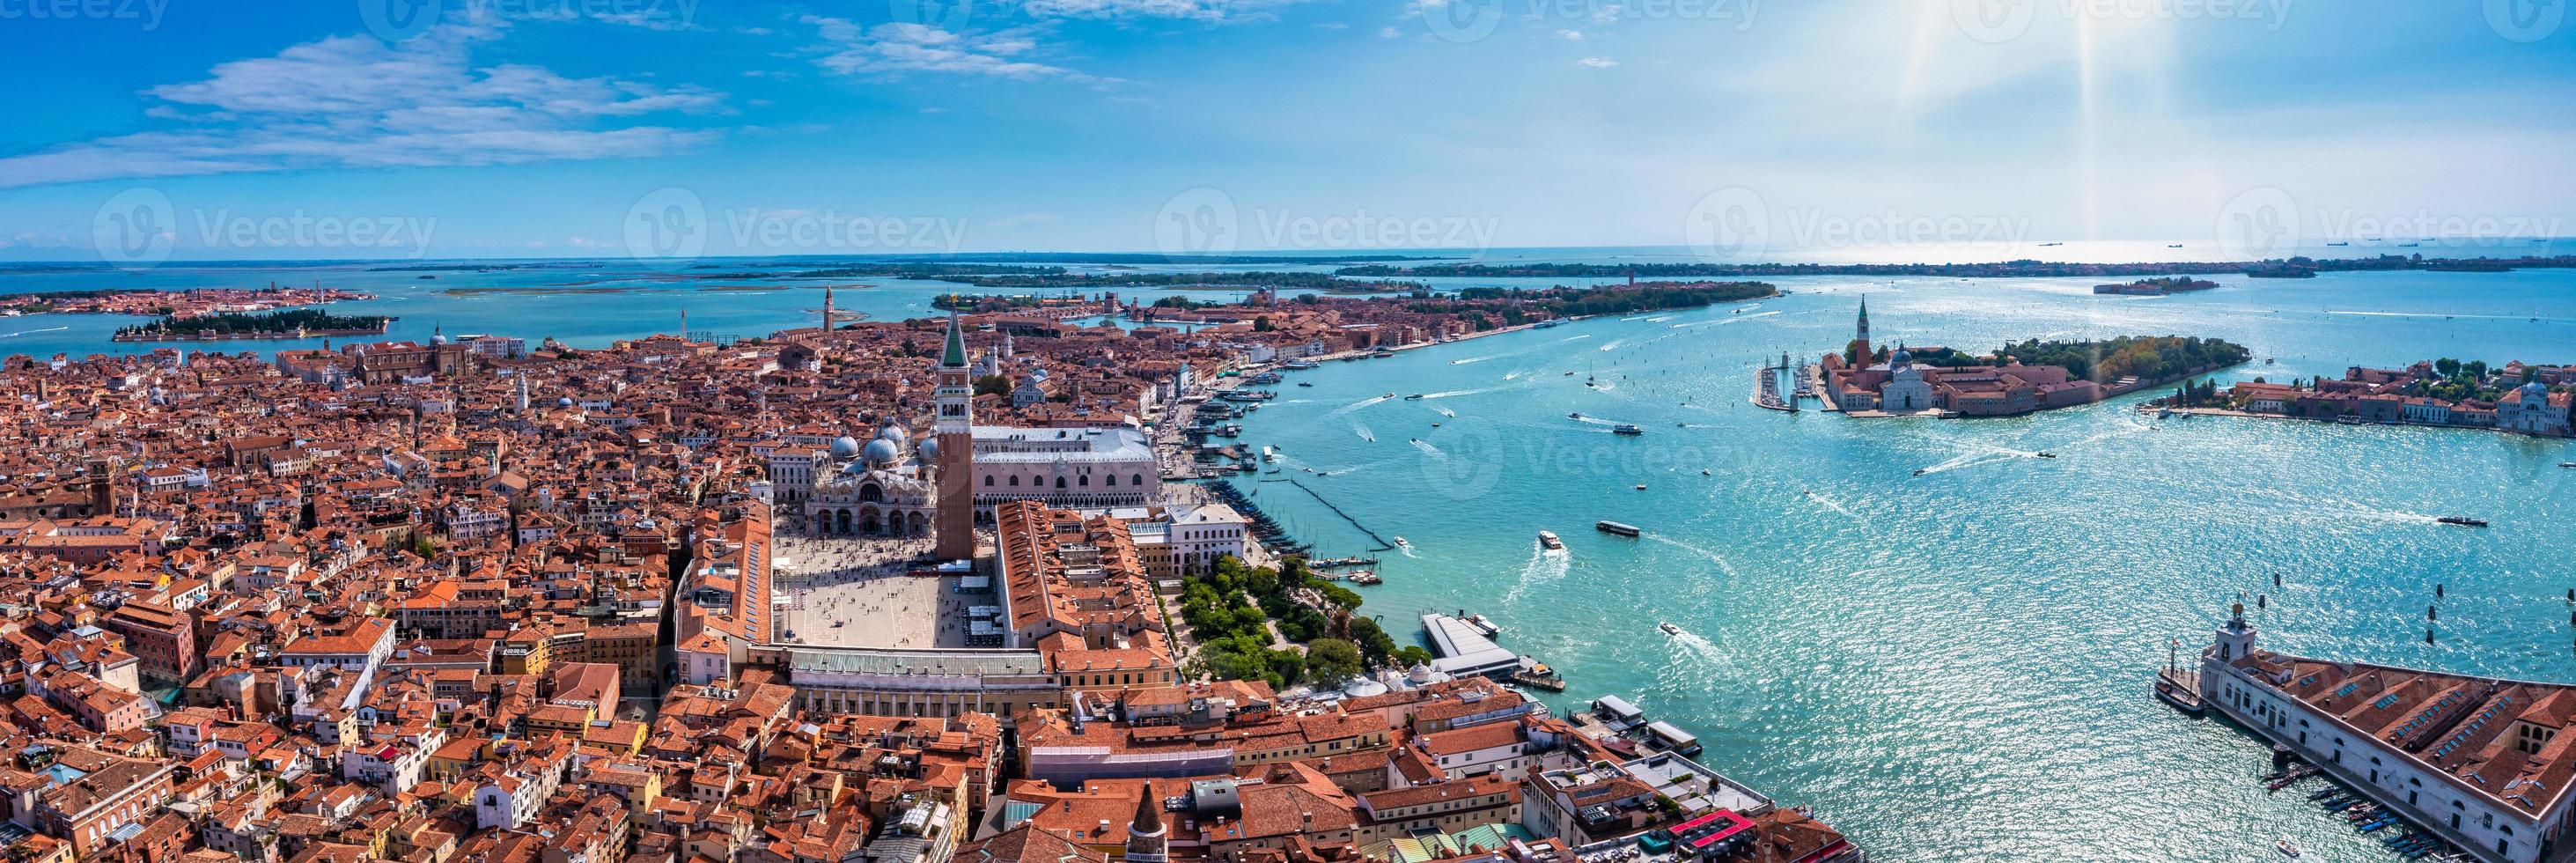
(1414, 397)
(1575, 415)
(1364, 577)
(1547, 540)
(1400, 543)
(2462, 520)
(1388, 396)
(1641, 486)
(2567, 464)
(1703, 471)
(1305, 383)
(1921, 471)
(1615, 528)
(1626, 429)
(2286, 849)
(1668, 628)
(2045, 454)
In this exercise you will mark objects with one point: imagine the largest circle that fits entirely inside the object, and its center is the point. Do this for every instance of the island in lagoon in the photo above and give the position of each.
(228, 326)
(2017, 378)
(187, 303)
(2515, 397)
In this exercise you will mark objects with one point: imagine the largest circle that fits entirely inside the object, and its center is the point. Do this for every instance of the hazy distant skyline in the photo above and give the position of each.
(552, 128)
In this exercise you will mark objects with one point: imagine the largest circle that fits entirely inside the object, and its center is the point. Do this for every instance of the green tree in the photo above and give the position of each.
(1329, 661)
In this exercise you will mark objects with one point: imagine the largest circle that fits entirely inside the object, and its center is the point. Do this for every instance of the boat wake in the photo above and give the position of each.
(1968, 460)
(1575, 338)
(24, 332)
(1434, 451)
(1356, 405)
(1614, 345)
(1703, 552)
(1599, 421)
(1444, 412)
(1832, 504)
(1738, 318)
(1515, 375)
(1364, 433)
(1659, 319)
(1544, 567)
(1456, 393)
(1474, 360)
(1700, 648)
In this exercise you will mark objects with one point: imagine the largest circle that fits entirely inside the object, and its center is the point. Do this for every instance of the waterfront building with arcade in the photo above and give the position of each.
(2482, 763)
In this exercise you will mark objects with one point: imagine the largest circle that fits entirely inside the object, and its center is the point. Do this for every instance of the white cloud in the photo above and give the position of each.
(1570, 35)
(1213, 11)
(1596, 62)
(1389, 33)
(892, 49)
(355, 101)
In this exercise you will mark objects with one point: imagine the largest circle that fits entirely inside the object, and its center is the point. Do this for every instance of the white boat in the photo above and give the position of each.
(1547, 540)
(2567, 464)
(1668, 628)
(1400, 543)
(2286, 849)
(1485, 625)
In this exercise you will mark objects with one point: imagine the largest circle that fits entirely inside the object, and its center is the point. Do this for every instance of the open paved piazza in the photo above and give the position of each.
(858, 592)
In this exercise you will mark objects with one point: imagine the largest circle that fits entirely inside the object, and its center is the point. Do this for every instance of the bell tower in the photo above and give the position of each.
(1860, 341)
(1146, 842)
(956, 430)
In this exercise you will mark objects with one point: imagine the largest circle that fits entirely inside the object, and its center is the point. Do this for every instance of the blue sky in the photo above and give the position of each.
(549, 127)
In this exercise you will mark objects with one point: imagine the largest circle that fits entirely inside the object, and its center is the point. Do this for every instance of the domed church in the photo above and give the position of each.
(880, 488)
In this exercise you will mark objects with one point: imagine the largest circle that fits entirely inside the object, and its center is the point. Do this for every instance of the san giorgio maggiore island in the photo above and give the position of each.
(916, 591)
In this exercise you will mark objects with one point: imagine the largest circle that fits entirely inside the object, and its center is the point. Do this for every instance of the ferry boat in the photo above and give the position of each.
(1364, 577)
(2045, 454)
(2286, 849)
(1626, 429)
(1414, 397)
(1616, 529)
(2567, 464)
(1547, 540)
(1668, 628)
(2462, 520)
(1300, 365)
(1383, 354)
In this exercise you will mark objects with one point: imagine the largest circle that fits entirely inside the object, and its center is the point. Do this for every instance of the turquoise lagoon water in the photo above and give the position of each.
(1954, 666)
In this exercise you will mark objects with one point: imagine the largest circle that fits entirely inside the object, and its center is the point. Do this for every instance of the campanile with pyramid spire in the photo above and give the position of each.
(956, 430)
